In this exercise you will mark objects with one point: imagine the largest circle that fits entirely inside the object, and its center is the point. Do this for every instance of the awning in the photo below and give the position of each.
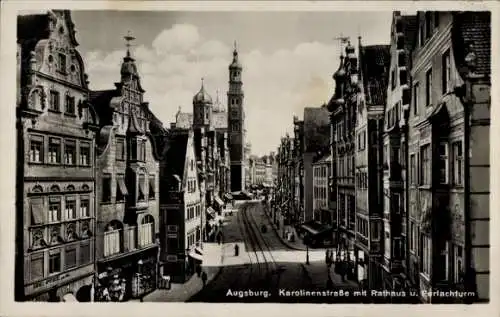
(195, 255)
(37, 211)
(198, 250)
(228, 196)
(69, 298)
(219, 201)
(316, 229)
(122, 186)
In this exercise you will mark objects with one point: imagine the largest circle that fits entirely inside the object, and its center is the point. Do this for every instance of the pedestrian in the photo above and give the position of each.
(329, 283)
(204, 278)
(327, 256)
(236, 250)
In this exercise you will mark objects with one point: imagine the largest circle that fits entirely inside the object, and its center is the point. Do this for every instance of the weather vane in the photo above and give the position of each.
(342, 40)
(128, 38)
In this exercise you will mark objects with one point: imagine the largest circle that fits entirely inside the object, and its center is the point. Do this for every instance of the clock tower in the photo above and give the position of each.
(236, 120)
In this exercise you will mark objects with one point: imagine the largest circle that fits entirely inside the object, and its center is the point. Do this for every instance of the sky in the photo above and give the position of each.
(288, 58)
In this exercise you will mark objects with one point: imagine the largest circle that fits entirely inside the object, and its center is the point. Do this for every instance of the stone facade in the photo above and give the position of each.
(55, 212)
(127, 187)
(236, 124)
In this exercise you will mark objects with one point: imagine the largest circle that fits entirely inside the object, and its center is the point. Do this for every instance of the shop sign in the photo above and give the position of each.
(57, 280)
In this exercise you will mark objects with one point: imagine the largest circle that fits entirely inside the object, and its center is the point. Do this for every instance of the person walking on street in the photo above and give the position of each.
(204, 278)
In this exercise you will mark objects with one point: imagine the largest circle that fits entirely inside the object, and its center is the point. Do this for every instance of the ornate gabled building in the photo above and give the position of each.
(298, 171)
(128, 158)
(182, 223)
(395, 145)
(448, 148)
(342, 107)
(236, 124)
(374, 62)
(56, 172)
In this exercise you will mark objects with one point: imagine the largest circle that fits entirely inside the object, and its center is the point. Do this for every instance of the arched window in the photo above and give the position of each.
(85, 188)
(37, 189)
(55, 188)
(146, 231)
(113, 238)
(70, 188)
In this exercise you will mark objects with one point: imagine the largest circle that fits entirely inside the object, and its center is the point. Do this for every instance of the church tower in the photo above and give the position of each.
(202, 108)
(236, 120)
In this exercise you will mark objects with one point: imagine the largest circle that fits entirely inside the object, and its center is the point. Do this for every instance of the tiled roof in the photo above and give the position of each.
(100, 100)
(374, 64)
(316, 128)
(471, 31)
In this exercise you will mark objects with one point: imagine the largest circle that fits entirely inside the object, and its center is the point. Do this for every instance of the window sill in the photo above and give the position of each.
(54, 111)
(428, 187)
(106, 202)
(70, 114)
(35, 163)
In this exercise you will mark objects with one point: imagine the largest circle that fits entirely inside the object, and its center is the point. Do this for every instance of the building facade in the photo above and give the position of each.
(236, 124)
(449, 117)
(342, 107)
(127, 248)
(56, 171)
(370, 252)
(394, 149)
(321, 192)
(182, 220)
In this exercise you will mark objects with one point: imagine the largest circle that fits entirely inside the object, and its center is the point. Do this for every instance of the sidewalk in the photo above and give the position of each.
(316, 271)
(297, 244)
(213, 258)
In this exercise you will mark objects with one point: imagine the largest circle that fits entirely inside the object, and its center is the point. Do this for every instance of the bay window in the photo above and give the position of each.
(443, 163)
(458, 165)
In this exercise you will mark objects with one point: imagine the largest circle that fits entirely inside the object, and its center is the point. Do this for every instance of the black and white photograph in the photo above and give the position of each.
(240, 156)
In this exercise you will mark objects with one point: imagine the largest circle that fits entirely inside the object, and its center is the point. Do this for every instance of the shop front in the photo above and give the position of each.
(129, 277)
(72, 286)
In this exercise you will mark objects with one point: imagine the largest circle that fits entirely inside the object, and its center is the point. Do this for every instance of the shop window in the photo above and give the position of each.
(458, 165)
(85, 154)
(36, 149)
(54, 261)
(37, 266)
(70, 258)
(54, 150)
(84, 208)
(85, 255)
(70, 211)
